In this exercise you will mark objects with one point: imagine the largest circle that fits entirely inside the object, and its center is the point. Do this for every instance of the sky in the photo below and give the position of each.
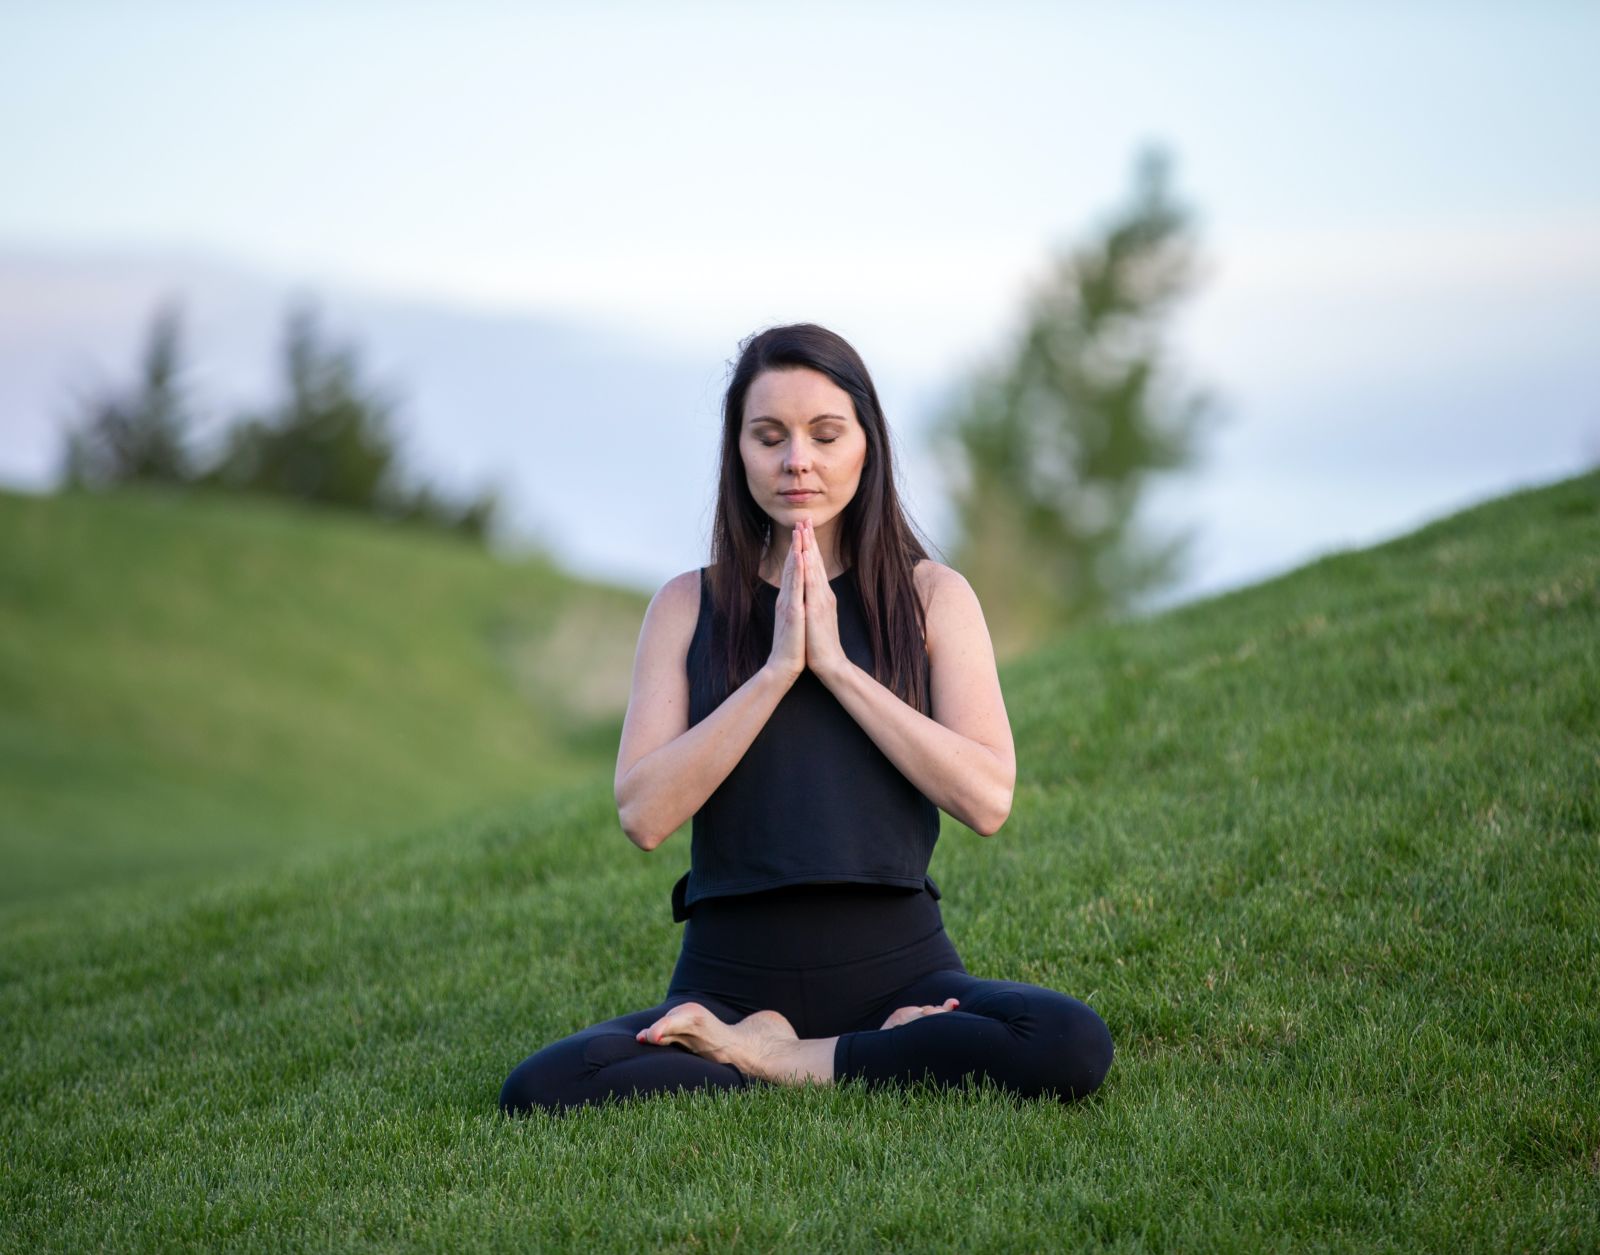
(1398, 208)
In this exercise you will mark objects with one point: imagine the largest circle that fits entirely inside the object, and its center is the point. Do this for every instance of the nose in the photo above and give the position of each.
(798, 458)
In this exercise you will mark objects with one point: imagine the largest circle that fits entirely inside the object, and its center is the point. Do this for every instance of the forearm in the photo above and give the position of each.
(666, 787)
(959, 775)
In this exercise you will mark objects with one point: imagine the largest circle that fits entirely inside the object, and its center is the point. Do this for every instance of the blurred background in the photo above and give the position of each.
(360, 364)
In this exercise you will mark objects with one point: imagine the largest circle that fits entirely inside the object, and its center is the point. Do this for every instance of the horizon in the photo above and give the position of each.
(1403, 255)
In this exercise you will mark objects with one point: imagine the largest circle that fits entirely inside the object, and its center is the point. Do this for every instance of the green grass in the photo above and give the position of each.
(1323, 852)
(189, 682)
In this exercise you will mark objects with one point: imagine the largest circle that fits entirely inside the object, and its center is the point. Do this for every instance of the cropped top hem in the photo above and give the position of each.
(682, 905)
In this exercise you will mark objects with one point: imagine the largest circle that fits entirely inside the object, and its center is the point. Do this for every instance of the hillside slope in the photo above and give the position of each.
(1323, 852)
(190, 680)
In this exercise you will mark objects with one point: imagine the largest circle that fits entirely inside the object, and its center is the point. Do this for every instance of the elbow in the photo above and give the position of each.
(995, 816)
(644, 840)
(632, 826)
(991, 825)
(635, 832)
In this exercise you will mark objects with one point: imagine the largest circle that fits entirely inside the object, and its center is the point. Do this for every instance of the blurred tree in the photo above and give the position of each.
(140, 435)
(1050, 448)
(331, 440)
(423, 505)
(328, 440)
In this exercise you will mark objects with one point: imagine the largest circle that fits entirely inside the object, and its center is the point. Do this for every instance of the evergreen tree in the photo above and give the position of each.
(329, 439)
(142, 434)
(1051, 447)
(423, 505)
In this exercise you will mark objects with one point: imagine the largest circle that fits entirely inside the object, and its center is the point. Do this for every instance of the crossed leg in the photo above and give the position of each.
(1025, 1038)
(950, 1025)
(607, 1059)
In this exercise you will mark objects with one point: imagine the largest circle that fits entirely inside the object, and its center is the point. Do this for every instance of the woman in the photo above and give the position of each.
(813, 700)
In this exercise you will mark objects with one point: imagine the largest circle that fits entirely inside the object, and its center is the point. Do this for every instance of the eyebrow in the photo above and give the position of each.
(767, 418)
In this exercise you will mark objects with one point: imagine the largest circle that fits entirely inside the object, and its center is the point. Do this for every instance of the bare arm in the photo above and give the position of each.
(666, 769)
(962, 758)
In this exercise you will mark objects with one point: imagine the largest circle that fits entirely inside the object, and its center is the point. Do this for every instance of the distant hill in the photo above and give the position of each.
(187, 681)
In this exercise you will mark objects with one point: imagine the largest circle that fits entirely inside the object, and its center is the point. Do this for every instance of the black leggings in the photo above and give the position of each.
(835, 960)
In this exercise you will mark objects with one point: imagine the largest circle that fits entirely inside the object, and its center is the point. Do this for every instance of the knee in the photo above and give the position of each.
(555, 1078)
(1072, 1048)
(530, 1085)
(571, 1072)
(1088, 1050)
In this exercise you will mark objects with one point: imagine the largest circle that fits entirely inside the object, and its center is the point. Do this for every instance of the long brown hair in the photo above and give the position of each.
(875, 535)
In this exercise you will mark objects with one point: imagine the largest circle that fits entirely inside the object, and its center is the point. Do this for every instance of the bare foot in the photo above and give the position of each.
(753, 1045)
(906, 1014)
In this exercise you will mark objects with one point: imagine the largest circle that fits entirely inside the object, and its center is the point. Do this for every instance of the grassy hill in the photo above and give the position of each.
(190, 681)
(1323, 852)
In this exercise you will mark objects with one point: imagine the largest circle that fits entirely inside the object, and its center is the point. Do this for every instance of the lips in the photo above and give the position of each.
(796, 496)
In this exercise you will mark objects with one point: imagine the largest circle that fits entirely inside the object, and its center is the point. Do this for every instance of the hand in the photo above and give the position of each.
(788, 655)
(824, 653)
(906, 1014)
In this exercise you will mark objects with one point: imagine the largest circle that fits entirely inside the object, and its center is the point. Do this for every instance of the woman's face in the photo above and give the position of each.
(800, 432)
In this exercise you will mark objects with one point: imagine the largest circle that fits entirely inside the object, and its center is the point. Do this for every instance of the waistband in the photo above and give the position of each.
(811, 925)
(681, 910)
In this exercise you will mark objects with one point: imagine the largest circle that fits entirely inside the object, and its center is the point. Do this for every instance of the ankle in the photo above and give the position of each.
(763, 1058)
(797, 1062)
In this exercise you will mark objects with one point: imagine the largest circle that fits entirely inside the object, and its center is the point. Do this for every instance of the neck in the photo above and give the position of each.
(778, 553)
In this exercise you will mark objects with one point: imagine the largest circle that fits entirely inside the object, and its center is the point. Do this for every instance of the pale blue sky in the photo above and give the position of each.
(1388, 195)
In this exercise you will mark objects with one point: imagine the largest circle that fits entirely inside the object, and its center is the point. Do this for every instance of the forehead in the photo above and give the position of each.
(795, 395)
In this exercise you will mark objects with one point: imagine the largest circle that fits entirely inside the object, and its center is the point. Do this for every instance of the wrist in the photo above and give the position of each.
(779, 675)
(831, 672)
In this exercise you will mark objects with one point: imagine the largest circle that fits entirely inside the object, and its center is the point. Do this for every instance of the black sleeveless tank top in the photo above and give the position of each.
(813, 799)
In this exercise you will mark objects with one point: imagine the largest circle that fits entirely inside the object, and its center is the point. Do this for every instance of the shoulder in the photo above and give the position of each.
(683, 587)
(948, 601)
(937, 582)
(676, 605)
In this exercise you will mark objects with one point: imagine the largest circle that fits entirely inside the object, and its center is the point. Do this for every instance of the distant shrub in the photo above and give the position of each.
(140, 434)
(329, 439)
